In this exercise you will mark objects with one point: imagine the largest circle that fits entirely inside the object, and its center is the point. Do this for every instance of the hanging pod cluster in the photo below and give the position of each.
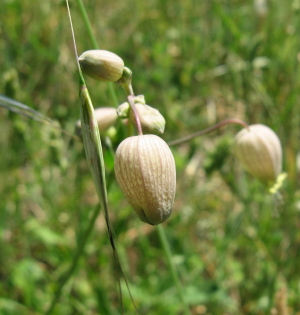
(144, 164)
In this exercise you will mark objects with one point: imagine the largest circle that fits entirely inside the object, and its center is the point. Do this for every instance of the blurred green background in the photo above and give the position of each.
(236, 247)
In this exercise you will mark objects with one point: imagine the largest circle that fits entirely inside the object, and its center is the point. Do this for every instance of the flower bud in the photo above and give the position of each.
(123, 110)
(259, 151)
(139, 99)
(151, 119)
(145, 171)
(101, 65)
(105, 116)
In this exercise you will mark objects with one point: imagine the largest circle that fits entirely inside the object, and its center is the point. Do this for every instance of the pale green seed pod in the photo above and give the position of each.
(152, 121)
(105, 116)
(145, 171)
(259, 150)
(101, 65)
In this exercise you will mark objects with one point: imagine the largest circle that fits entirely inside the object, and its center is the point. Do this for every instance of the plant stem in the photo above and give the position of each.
(167, 249)
(136, 114)
(77, 255)
(209, 129)
(95, 45)
(87, 24)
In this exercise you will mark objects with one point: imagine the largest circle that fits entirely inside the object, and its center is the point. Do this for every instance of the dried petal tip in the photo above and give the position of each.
(259, 151)
(145, 171)
(101, 65)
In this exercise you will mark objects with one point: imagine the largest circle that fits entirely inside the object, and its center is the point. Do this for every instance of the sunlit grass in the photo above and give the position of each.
(198, 63)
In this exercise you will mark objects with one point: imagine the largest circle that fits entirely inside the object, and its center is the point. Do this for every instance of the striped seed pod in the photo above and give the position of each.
(259, 150)
(101, 65)
(145, 171)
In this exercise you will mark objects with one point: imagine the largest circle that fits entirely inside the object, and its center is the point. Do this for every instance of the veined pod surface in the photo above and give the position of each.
(145, 171)
(259, 151)
(101, 65)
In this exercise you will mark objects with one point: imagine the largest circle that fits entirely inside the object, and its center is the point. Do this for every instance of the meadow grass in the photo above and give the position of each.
(236, 246)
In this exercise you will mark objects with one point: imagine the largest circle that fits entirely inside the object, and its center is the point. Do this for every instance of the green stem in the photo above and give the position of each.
(77, 255)
(95, 45)
(167, 249)
(136, 114)
(209, 129)
(87, 24)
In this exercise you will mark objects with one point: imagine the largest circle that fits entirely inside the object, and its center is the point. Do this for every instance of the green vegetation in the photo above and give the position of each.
(236, 247)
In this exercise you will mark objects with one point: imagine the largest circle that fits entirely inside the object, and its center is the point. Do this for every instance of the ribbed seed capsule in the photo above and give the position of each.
(259, 151)
(145, 171)
(101, 65)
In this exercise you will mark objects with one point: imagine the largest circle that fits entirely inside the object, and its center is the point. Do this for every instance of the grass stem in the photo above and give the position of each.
(95, 45)
(167, 250)
(209, 129)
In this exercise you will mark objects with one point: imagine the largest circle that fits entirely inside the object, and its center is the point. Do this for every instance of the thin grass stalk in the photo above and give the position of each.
(209, 129)
(26, 111)
(93, 149)
(167, 250)
(95, 45)
(94, 156)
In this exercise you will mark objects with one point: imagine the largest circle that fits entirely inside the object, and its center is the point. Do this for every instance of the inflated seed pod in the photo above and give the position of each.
(145, 171)
(105, 116)
(259, 150)
(101, 65)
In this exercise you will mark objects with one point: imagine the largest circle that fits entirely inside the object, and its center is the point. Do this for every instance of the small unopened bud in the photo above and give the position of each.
(123, 110)
(259, 151)
(105, 116)
(151, 119)
(139, 99)
(101, 65)
(145, 171)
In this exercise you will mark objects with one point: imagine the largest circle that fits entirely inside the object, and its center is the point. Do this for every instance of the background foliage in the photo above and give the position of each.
(198, 62)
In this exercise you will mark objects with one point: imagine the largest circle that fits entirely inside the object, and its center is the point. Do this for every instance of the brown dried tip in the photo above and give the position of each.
(145, 171)
(259, 150)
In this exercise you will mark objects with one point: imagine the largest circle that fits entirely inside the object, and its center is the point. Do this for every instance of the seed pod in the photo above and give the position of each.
(101, 65)
(152, 120)
(105, 116)
(145, 171)
(259, 151)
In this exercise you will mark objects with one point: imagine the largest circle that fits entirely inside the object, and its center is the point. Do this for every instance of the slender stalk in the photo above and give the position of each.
(75, 260)
(87, 24)
(95, 45)
(167, 249)
(136, 114)
(209, 129)
(92, 145)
